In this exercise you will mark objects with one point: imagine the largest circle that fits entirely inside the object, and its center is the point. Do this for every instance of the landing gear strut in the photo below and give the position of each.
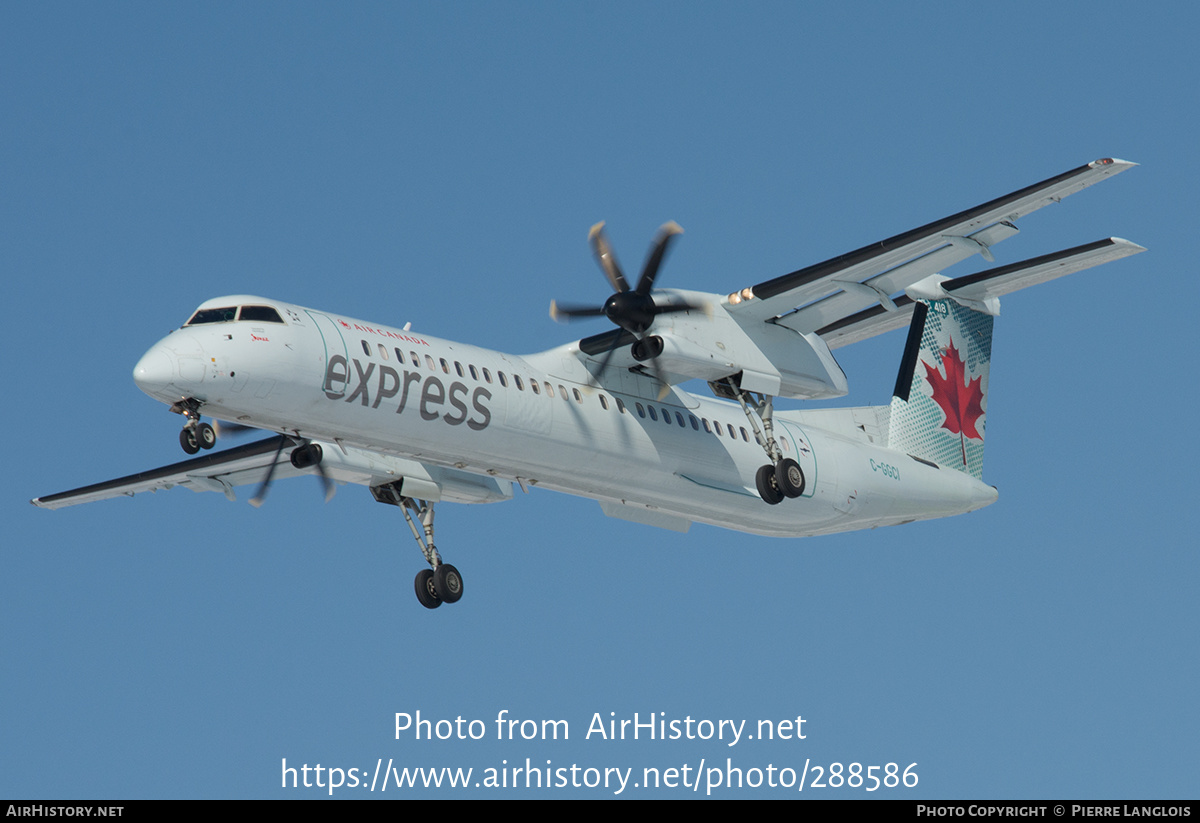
(195, 435)
(782, 477)
(441, 583)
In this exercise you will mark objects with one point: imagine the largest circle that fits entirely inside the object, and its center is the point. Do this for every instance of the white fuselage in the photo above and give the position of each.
(539, 420)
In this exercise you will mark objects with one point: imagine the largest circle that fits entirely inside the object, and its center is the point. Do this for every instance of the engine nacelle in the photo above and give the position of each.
(765, 357)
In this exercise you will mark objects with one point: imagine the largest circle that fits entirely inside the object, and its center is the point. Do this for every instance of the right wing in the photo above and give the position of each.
(827, 296)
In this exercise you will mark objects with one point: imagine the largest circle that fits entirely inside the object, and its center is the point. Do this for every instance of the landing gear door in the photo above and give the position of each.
(334, 347)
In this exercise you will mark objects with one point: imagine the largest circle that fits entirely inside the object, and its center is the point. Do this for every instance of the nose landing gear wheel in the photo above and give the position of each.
(426, 592)
(447, 583)
(205, 436)
(189, 441)
(768, 485)
(789, 477)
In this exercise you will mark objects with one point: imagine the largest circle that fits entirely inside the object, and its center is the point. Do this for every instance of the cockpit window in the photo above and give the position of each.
(257, 314)
(261, 314)
(223, 315)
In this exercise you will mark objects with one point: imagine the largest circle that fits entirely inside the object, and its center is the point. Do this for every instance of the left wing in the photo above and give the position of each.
(825, 296)
(220, 471)
(223, 471)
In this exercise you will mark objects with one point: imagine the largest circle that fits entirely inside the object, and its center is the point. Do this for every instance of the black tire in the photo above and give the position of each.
(425, 589)
(789, 477)
(205, 436)
(768, 488)
(189, 441)
(447, 582)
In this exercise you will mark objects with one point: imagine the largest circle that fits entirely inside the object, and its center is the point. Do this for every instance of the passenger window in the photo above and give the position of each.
(366, 348)
(429, 362)
(383, 352)
(416, 361)
(502, 379)
(518, 382)
(549, 390)
(641, 411)
(458, 368)
(653, 413)
(679, 420)
(487, 375)
(695, 423)
(445, 365)
(474, 373)
(745, 436)
(533, 384)
(578, 396)
(704, 420)
(563, 391)
(620, 406)
(604, 402)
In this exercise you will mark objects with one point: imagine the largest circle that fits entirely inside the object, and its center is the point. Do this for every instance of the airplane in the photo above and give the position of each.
(420, 420)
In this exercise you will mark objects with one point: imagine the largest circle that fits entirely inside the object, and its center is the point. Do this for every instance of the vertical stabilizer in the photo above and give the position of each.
(940, 401)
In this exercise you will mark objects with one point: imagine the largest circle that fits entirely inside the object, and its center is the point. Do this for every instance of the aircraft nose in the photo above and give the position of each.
(155, 372)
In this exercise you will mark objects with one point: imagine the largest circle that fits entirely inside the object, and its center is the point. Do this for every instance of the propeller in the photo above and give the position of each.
(306, 454)
(634, 310)
(224, 428)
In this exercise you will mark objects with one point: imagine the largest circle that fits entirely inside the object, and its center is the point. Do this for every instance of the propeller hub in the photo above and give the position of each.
(631, 311)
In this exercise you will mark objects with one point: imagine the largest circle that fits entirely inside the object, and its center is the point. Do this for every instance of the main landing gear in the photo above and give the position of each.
(195, 435)
(782, 477)
(441, 583)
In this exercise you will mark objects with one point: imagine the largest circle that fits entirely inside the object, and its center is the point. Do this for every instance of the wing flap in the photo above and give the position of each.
(855, 296)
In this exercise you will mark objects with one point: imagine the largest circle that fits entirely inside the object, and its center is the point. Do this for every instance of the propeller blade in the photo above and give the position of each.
(661, 378)
(261, 495)
(605, 257)
(649, 271)
(224, 428)
(608, 356)
(326, 484)
(563, 314)
(673, 308)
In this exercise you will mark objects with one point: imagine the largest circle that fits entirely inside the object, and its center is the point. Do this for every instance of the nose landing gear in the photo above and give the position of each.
(195, 435)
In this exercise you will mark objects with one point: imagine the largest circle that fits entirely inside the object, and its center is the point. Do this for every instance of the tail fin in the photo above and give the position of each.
(940, 400)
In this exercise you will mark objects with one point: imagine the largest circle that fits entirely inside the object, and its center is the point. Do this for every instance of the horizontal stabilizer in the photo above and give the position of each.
(981, 286)
(1004, 279)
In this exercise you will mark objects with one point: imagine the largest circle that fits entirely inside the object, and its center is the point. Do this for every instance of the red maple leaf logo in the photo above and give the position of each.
(960, 400)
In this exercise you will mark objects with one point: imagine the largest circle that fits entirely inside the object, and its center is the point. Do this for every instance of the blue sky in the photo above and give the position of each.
(440, 164)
